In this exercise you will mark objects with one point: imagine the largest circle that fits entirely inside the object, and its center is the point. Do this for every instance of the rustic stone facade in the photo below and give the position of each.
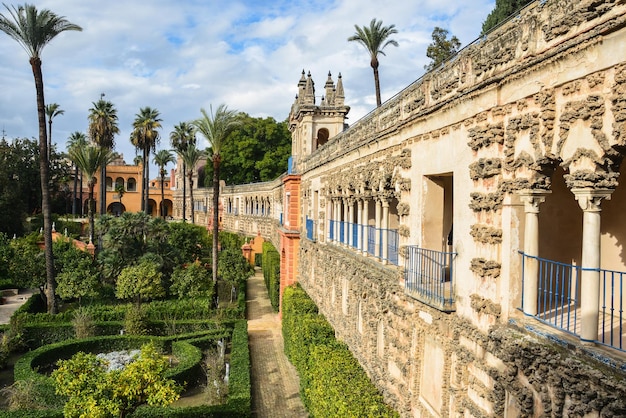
(515, 145)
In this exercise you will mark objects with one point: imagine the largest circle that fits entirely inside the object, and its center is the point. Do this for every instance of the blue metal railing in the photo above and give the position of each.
(311, 232)
(428, 275)
(558, 299)
(354, 236)
(393, 243)
(371, 240)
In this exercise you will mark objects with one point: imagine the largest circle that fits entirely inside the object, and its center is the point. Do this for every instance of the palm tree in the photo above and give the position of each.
(89, 159)
(102, 130)
(145, 137)
(33, 29)
(163, 158)
(76, 139)
(52, 110)
(183, 134)
(216, 128)
(191, 156)
(374, 39)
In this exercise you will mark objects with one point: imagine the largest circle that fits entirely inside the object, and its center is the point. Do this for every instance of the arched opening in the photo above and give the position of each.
(119, 183)
(116, 209)
(168, 208)
(131, 185)
(152, 208)
(322, 137)
(109, 184)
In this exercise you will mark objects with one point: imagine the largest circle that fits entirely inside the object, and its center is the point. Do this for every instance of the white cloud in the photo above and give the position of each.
(179, 56)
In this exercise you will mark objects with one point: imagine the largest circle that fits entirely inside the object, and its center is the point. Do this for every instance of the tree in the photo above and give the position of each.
(77, 276)
(501, 12)
(102, 130)
(76, 140)
(183, 135)
(145, 137)
(216, 128)
(190, 281)
(129, 238)
(256, 150)
(89, 159)
(191, 156)
(33, 29)
(52, 110)
(442, 48)
(375, 38)
(163, 158)
(140, 282)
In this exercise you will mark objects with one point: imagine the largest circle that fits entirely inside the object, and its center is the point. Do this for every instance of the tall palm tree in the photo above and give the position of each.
(89, 159)
(76, 139)
(33, 29)
(191, 156)
(375, 38)
(183, 134)
(52, 110)
(216, 128)
(163, 158)
(145, 137)
(102, 130)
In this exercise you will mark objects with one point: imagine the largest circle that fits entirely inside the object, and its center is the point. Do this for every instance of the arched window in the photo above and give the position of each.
(119, 182)
(322, 137)
(131, 184)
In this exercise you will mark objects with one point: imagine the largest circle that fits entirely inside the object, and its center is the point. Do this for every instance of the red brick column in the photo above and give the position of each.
(289, 233)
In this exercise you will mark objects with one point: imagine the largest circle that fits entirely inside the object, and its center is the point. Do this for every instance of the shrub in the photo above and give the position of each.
(92, 391)
(136, 321)
(271, 273)
(83, 324)
(332, 382)
(191, 281)
(140, 282)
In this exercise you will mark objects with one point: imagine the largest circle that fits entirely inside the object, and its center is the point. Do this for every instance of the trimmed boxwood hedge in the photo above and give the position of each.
(187, 347)
(332, 383)
(270, 265)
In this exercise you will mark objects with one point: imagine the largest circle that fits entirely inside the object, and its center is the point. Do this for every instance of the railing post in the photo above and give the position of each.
(531, 199)
(589, 201)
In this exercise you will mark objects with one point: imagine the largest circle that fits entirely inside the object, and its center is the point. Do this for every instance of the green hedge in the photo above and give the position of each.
(238, 403)
(271, 273)
(188, 347)
(332, 383)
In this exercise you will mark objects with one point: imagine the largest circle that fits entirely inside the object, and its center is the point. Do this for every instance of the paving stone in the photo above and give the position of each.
(275, 383)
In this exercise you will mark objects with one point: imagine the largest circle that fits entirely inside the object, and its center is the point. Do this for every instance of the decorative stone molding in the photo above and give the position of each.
(485, 268)
(484, 136)
(482, 305)
(486, 201)
(618, 100)
(485, 234)
(589, 200)
(403, 209)
(404, 231)
(485, 168)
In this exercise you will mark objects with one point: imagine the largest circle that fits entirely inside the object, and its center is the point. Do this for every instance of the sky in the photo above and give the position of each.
(181, 56)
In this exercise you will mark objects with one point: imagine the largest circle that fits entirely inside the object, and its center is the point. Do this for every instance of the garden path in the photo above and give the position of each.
(11, 303)
(275, 383)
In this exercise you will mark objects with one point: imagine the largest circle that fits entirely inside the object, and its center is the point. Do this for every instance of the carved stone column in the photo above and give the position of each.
(589, 201)
(378, 223)
(366, 216)
(531, 199)
(337, 218)
(346, 224)
(350, 223)
(385, 231)
(359, 225)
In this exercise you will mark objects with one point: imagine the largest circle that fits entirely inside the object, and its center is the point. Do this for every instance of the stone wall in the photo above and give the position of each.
(539, 97)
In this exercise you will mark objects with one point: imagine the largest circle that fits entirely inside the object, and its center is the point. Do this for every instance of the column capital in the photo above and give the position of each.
(589, 200)
(532, 198)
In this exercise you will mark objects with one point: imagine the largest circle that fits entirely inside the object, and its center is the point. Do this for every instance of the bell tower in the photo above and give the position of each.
(313, 125)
